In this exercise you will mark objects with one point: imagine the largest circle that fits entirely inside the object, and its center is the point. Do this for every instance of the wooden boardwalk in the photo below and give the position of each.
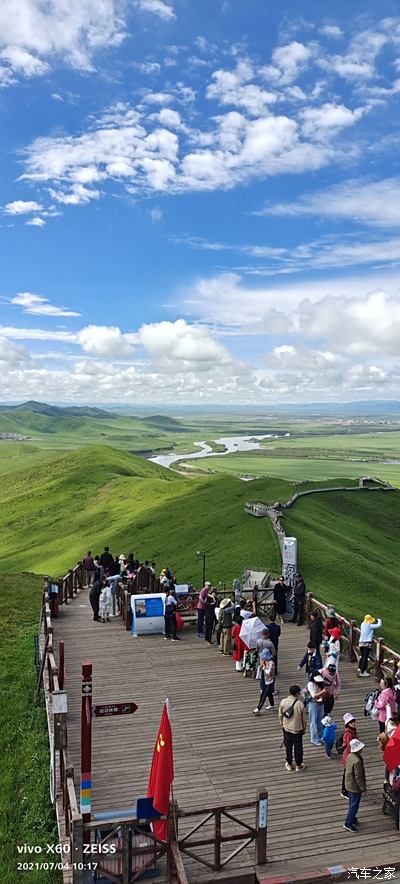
(222, 752)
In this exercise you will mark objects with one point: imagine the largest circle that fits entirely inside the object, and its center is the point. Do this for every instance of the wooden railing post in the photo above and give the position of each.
(77, 850)
(172, 838)
(352, 653)
(217, 839)
(61, 665)
(126, 854)
(378, 657)
(70, 583)
(261, 828)
(80, 574)
(309, 604)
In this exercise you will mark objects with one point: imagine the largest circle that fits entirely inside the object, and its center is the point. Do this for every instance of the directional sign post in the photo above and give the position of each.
(105, 710)
(86, 744)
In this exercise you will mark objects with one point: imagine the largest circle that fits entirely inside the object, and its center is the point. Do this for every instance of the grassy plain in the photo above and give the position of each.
(294, 468)
(26, 814)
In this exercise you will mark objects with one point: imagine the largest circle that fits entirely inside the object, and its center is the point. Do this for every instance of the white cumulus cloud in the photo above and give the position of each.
(103, 340)
(22, 207)
(179, 341)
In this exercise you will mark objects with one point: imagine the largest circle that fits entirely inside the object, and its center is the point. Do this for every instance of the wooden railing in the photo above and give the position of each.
(382, 659)
(187, 604)
(52, 675)
(206, 849)
(127, 847)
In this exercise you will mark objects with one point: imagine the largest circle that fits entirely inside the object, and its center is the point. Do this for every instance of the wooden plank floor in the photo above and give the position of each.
(222, 752)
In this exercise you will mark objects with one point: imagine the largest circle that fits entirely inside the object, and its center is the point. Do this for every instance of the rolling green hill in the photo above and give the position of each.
(56, 505)
(53, 512)
(57, 410)
(348, 551)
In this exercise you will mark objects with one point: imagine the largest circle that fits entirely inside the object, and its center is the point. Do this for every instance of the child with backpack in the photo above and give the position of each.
(328, 734)
(343, 745)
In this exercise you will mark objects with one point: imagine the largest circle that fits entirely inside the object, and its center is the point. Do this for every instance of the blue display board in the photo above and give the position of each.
(147, 613)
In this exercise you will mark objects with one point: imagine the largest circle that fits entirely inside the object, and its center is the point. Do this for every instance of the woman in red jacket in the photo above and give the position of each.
(239, 647)
(349, 733)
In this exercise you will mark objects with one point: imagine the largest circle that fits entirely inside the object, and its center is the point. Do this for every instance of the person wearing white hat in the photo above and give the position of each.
(317, 692)
(355, 783)
(225, 618)
(349, 734)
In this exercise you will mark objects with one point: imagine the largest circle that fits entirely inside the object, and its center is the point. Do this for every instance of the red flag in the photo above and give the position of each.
(391, 755)
(162, 773)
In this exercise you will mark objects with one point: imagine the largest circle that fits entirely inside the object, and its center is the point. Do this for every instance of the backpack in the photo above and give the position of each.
(339, 745)
(369, 701)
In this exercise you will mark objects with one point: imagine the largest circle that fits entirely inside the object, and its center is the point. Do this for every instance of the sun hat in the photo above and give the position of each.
(331, 612)
(266, 654)
(318, 679)
(122, 557)
(335, 632)
(369, 618)
(348, 717)
(356, 745)
(207, 583)
(326, 720)
(225, 602)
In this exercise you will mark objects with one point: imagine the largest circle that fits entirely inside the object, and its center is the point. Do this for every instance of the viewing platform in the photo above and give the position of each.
(222, 753)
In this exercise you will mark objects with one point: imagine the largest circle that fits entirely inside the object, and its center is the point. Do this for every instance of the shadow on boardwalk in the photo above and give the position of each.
(222, 752)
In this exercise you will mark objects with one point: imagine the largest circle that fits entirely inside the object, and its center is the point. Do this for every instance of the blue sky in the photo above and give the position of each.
(200, 201)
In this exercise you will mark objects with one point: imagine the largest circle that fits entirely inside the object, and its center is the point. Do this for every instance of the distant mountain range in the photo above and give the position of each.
(59, 411)
(165, 420)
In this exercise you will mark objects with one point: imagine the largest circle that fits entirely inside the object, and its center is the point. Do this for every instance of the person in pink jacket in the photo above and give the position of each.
(385, 703)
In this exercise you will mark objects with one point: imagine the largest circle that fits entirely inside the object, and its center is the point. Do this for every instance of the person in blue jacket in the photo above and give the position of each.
(311, 660)
(328, 734)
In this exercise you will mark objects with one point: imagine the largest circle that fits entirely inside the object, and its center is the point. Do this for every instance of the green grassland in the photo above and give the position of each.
(348, 550)
(296, 469)
(51, 513)
(26, 814)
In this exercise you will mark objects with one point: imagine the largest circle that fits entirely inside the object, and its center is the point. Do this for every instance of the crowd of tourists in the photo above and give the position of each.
(104, 572)
(311, 707)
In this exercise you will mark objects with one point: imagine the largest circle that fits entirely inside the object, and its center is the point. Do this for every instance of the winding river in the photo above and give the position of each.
(233, 445)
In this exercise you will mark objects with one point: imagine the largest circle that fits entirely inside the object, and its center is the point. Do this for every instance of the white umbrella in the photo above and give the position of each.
(251, 631)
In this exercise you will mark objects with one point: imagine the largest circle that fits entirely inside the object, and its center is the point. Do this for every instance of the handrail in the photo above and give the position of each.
(384, 660)
(69, 817)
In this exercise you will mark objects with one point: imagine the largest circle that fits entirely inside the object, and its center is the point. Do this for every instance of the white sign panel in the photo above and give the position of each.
(289, 559)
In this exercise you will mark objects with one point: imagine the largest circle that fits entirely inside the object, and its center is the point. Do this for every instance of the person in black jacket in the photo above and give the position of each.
(94, 597)
(316, 629)
(106, 559)
(299, 600)
(280, 590)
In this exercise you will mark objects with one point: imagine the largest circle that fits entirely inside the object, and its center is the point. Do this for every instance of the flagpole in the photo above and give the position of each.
(168, 707)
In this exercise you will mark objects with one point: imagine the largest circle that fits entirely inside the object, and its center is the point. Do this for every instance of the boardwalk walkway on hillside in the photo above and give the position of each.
(223, 753)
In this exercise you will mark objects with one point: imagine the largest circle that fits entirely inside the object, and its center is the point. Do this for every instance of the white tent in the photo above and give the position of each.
(251, 631)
